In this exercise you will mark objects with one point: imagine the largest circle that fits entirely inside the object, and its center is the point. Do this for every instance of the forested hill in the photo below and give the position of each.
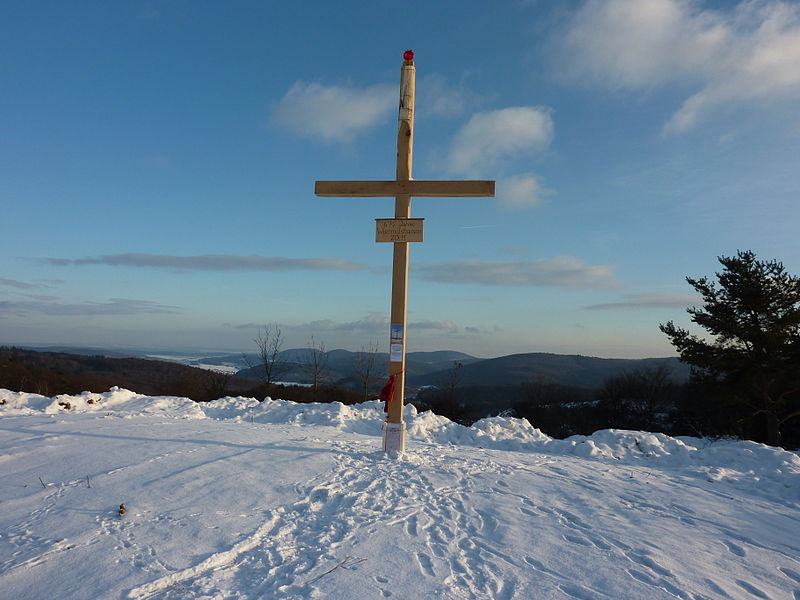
(577, 370)
(52, 373)
(72, 372)
(437, 368)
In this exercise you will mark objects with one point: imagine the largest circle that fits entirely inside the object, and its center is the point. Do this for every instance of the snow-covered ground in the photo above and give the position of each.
(240, 499)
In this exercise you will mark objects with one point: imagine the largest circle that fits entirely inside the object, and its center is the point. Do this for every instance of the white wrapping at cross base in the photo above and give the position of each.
(244, 499)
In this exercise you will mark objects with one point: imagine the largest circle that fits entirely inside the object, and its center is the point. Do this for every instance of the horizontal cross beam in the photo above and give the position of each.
(429, 188)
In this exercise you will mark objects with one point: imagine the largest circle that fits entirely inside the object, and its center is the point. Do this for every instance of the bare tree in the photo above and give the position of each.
(215, 383)
(269, 343)
(316, 365)
(451, 380)
(446, 399)
(638, 399)
(364, 365)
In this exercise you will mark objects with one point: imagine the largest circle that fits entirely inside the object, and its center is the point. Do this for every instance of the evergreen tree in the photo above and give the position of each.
(753, 316)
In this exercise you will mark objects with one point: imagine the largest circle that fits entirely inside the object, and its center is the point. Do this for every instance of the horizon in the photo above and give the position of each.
(159, 161)
(201, 352)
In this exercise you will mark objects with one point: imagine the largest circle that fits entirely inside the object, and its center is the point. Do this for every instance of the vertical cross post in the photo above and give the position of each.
(394, 429)
(400, 231)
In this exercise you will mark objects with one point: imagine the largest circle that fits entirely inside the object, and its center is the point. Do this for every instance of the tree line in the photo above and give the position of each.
(744, 382)
(51, 373)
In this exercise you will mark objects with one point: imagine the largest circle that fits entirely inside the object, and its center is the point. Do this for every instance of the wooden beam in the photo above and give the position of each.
(428, 188)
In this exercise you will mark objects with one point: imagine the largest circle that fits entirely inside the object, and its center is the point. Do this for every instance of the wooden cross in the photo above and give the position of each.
(402, 188)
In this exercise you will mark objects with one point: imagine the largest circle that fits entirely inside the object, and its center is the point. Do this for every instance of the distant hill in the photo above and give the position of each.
(52, 373)
(434, 368)
(422, 368)
(87, 351)
(584, 371)
(342, 364)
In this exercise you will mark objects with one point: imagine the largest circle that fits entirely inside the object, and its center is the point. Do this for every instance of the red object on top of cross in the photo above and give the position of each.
(408, 55)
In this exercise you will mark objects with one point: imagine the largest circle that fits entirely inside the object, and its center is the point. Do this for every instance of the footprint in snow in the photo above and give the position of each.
(735, 548)
(576, 539)
(411, 526)
(749, 587)
(383, 580)
(794, 575)
(425, 564)
(575, 591)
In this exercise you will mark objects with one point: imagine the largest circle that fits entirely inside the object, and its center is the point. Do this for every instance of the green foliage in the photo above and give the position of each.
(753, 316)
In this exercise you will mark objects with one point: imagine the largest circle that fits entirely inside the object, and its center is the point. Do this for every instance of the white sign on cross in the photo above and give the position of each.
(402, 188)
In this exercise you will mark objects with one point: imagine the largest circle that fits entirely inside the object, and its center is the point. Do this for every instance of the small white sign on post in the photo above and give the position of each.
(395, 352)
(396, 343)
(398, 230)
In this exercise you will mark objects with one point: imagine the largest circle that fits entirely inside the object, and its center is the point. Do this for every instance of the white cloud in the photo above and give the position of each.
(561, 271)
(436, 97)
(494, 135)
(334, 113)
(521, 191)
(749, 53)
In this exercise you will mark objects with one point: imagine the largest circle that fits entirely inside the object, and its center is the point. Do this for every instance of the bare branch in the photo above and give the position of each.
(316, 365)
(364, 365)
(269, 344)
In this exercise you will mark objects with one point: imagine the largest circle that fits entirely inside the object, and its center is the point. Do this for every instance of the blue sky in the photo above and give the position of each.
(158, 159)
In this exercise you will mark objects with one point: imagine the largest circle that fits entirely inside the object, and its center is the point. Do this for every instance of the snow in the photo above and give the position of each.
(244, 499)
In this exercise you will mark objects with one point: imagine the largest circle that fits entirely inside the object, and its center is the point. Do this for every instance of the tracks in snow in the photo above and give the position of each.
(329, 529)
(456, 521)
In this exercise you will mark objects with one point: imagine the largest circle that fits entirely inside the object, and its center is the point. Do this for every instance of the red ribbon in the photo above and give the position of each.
(387, 393)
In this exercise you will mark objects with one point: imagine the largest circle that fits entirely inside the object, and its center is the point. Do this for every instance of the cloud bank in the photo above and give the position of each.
(561, 271)
(20, 285)
(52, 307)
(749, 53)
(378, 324)
(373, 324)
(649, 300)
(214, 262)
(333, 113)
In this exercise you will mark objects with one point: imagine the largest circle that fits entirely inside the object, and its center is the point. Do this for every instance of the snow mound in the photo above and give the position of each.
(363, 418)
(736, 462)
(496, 433)
(117, 400)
